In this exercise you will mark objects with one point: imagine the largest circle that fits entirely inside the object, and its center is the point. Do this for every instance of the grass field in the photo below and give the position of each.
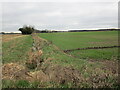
(99, 54)
(75, 40)
(76, 69)
(15, 48)
(85, 60)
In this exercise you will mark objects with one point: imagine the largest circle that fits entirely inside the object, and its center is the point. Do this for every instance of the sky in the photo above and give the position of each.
(60, 15)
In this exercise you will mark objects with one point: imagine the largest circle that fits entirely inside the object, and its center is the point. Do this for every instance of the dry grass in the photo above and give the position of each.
(6, 38)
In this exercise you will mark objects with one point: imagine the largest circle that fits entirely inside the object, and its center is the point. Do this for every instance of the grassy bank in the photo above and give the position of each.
(16, 49)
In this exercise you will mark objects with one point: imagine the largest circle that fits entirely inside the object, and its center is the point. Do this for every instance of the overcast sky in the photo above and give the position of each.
(59, 15)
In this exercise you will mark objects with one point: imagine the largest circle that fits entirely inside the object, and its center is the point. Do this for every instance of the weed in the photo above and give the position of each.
(22, 84)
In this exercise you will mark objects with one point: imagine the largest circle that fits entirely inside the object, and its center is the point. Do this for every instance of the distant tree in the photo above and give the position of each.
(2, 32)
(27, 29)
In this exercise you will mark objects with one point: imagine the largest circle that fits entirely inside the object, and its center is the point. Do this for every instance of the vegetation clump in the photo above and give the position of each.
(27, 29)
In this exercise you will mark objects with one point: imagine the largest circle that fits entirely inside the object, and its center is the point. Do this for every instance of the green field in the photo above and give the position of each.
(99, 54)
(81, 59)
(73, 40)
(77, 69)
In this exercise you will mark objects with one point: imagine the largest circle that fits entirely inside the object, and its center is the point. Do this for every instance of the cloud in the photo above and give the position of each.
(59, 0)
(59, 15)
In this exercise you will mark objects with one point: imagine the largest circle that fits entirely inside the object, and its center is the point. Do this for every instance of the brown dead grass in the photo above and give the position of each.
(15, 71)
(63, 75)
(12, 71)
(107, 65)
(34, 59)
(6, 38)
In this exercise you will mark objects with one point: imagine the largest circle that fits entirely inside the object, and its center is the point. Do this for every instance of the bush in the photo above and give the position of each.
(27, 29)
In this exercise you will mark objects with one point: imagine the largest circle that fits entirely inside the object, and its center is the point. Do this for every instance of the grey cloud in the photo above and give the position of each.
(60, 16)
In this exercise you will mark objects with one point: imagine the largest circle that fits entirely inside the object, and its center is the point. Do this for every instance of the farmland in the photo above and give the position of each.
(82, 39)
(95, 68)
(86, 39)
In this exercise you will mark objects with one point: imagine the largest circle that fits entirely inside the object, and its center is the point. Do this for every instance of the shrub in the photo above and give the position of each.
(27, 29)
